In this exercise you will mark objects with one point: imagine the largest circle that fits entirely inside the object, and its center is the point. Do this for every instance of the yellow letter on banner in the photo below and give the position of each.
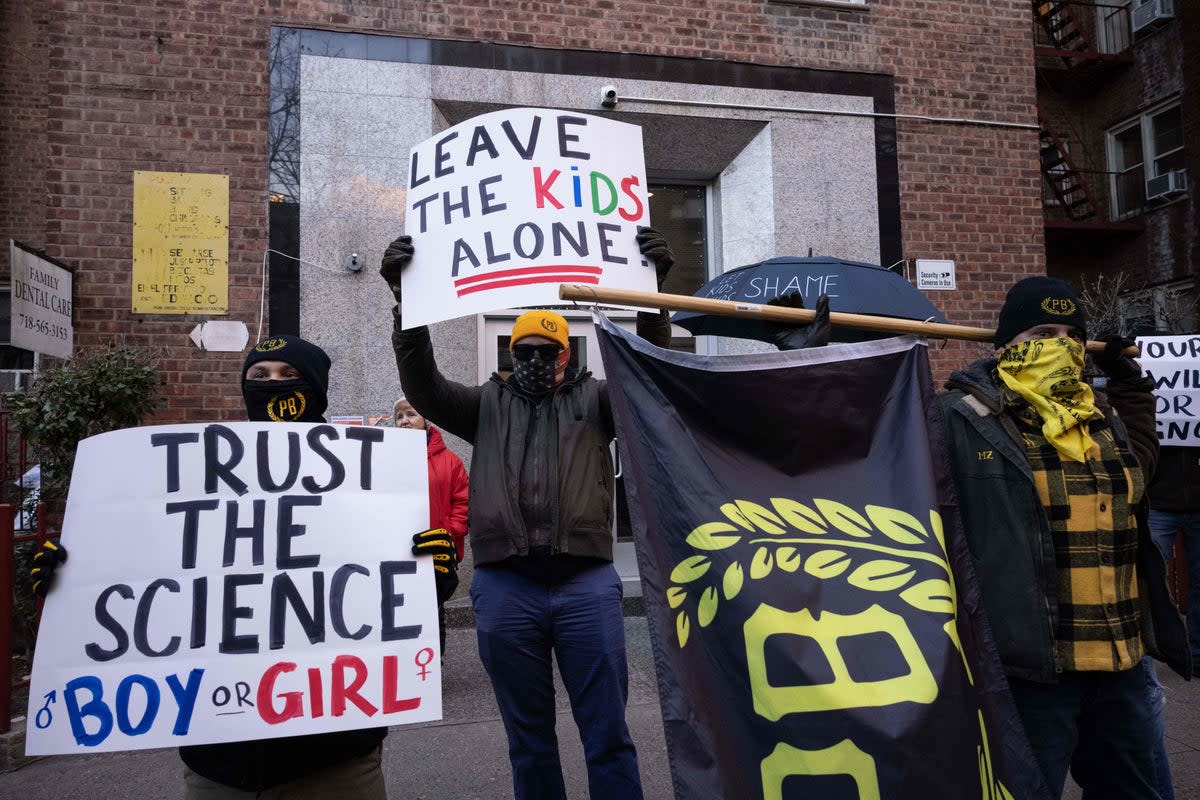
(773, 702)
(180, 243)
(843, 758)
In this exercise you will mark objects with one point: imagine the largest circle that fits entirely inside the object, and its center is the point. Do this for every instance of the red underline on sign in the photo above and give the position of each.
(509, 273)
(570, 277)
(525, 276)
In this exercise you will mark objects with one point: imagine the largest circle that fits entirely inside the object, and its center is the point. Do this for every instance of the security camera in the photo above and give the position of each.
(608, 96)
(353, 263)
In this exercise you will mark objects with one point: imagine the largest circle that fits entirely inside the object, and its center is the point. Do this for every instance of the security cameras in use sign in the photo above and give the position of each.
(506, 206)
(936, 274)
(229, 582)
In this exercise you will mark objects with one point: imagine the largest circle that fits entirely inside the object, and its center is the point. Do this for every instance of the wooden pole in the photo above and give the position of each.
(795, 316)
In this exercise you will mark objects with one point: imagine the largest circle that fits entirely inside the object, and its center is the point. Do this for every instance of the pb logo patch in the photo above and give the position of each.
(1059, 306)
(550, 325)
(270, 345)
(287, 408)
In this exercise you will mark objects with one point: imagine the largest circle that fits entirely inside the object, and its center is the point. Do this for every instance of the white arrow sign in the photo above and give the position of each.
(221, 336)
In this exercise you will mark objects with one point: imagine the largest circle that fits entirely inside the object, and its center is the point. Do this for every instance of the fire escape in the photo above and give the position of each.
(1077, 46)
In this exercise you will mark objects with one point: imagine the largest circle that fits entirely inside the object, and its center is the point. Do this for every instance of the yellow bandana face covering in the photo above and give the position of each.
(1046, 373)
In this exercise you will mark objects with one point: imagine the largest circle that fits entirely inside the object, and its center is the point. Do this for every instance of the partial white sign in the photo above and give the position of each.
(506, 206)
(937, 274)
(237, 581)
(41, 304)
(221, 336)
(1173, 362)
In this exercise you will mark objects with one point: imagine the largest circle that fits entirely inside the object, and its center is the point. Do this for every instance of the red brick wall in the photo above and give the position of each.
(181, 86)
(1169, 249)
(22, 125)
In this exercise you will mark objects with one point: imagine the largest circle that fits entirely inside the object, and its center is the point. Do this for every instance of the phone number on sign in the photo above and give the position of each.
(43, 327)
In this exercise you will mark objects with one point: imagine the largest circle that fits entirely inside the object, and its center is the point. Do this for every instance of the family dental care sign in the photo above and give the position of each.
(238, 581)
(506, 206)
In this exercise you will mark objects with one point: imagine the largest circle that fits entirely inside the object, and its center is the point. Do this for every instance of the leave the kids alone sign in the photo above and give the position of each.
(237, 581)
(508, 205)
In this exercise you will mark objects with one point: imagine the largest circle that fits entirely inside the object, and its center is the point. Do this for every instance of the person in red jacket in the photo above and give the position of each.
(447, 490)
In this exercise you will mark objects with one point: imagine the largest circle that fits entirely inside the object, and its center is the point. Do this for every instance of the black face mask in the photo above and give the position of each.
(534, 375)
(282, 401)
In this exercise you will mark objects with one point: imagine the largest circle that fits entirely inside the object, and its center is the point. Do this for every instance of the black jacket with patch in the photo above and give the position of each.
(1009, 536)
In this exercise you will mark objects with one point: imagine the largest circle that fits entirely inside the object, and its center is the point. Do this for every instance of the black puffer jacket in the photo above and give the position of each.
(1009, 536)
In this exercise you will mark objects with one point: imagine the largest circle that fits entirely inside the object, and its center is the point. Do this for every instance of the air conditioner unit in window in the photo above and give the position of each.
(1152, 13)
(1167, 185)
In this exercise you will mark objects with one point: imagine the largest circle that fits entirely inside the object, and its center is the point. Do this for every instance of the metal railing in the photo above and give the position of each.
(1130, 195)
(1105, 27)
(13, 589)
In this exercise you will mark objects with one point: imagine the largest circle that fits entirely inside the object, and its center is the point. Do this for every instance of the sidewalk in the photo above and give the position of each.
(464, 757)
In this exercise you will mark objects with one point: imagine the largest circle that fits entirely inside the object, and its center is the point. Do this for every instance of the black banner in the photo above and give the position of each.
(816, 624)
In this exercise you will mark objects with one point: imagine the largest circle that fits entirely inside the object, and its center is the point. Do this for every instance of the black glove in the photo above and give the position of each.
(1116, 366)
(815, 334)
(655, 247)
(395, 259)
(437, 543)
(45, 562)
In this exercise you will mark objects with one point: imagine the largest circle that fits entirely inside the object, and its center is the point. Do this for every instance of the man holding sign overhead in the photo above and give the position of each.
(541, 504)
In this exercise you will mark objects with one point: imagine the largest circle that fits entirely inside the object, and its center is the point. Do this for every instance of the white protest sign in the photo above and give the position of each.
(506, 206)
(238, 581)
(1173, 362)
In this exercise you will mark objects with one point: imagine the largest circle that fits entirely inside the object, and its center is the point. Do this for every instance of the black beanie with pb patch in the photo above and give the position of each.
(309, 360)
(1039, 301)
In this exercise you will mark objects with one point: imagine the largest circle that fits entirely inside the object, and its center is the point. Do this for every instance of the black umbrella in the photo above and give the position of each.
(853, 287)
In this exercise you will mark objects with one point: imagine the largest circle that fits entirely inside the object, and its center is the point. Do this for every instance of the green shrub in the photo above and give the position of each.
(112, 387)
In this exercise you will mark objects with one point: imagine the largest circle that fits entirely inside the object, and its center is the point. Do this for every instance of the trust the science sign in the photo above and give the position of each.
(237, 581)
(508, 205)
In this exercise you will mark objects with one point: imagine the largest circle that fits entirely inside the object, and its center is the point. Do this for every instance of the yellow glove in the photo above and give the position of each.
(45, 562)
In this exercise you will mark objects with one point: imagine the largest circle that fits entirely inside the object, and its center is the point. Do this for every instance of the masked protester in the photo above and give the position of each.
(541, 536)
(1050, 478)
(284, 379)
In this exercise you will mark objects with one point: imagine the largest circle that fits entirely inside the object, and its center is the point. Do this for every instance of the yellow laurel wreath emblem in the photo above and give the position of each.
(276, 403)
(1059, 306)
(270, 345)
(837, 538)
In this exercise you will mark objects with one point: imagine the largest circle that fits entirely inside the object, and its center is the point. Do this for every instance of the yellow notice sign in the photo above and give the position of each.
(180, 243)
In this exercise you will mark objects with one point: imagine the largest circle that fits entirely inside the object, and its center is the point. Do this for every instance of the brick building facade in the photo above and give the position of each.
(94, 91)
(1117, 97)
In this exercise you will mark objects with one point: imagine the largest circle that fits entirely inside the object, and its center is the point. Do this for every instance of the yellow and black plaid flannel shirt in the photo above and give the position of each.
(1090, 507)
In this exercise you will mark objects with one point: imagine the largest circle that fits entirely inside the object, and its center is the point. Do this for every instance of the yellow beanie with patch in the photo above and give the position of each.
(540, 323)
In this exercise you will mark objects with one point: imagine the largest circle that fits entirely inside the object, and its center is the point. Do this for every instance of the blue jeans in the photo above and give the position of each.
(1163, 526)
(1157, 698)
(519, 622)
(1096, 724)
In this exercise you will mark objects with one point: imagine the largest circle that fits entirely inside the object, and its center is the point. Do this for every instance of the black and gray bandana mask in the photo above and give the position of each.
(538, 377)
(282, 401)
